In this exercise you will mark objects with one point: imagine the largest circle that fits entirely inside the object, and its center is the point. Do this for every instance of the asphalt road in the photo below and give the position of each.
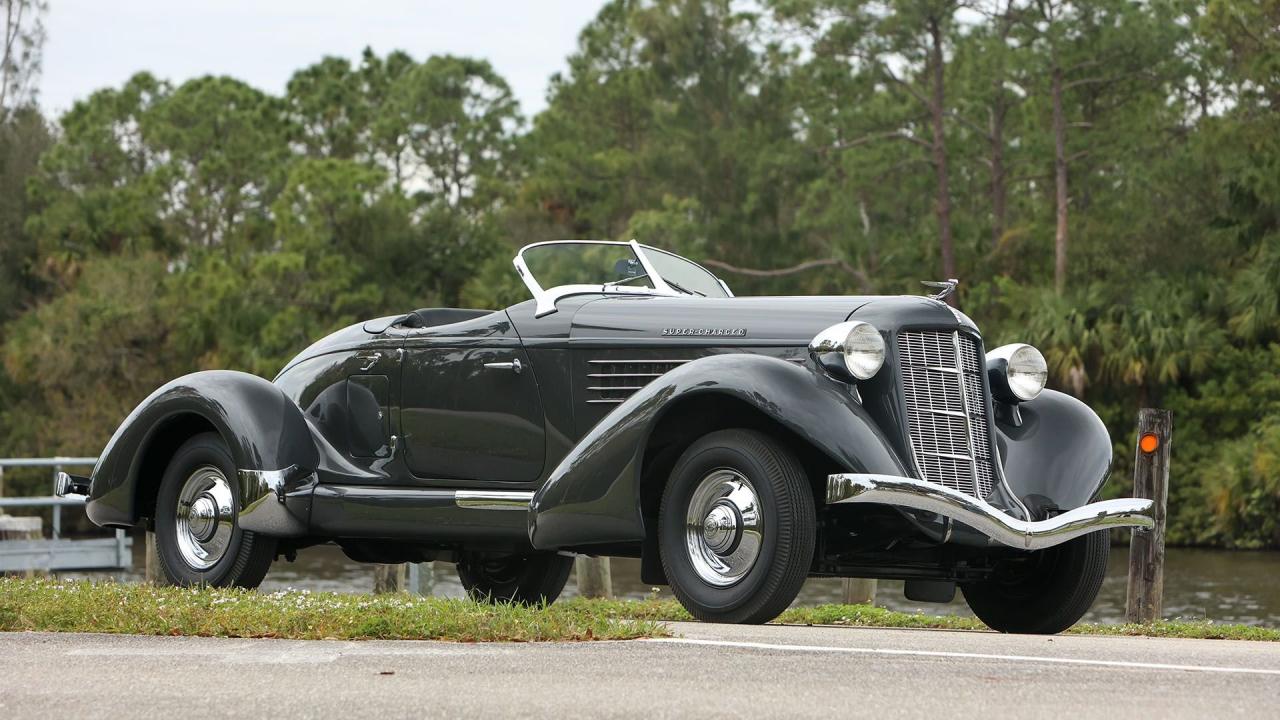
(708, 671)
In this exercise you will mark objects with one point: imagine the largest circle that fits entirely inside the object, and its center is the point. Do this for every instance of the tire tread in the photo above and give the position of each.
(797, 523)
(254, 553)
(1064, 599)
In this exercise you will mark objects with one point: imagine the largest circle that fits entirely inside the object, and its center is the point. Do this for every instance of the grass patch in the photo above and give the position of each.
(109, 607)
(868, 616)
(1196, 629)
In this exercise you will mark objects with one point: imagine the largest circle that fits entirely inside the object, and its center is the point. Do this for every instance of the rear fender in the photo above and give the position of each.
(263, 429)
(593, 495)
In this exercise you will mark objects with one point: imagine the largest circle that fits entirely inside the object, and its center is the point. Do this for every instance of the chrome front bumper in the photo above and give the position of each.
(994, 523)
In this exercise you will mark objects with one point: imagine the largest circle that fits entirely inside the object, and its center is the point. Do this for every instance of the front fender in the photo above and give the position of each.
(593, 495)
(262, 427)
(1058, 456)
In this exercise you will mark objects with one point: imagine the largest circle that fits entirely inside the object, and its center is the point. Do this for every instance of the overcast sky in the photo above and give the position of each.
(94, 44)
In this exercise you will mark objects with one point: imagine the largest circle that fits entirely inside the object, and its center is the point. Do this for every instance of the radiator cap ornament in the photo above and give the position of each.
(944, 287)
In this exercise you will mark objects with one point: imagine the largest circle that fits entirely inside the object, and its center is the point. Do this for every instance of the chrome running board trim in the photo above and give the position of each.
(994, 523)
(492, 499)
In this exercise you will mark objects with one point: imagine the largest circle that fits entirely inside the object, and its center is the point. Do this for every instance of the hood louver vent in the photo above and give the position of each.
(613, 381)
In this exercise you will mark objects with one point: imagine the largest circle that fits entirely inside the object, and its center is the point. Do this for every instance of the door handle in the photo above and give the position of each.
(514, 366)
(369, 360)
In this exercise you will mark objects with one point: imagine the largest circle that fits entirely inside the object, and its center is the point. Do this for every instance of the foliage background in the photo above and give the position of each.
(1104, 176)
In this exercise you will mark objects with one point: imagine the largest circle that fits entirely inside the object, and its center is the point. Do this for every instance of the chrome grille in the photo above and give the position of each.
(946, 410)
(612, 381)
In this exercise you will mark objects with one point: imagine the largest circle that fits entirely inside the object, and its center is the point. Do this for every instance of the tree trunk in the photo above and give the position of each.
(999, 193)
(995, 131)
(1060, 183)
(937, 109)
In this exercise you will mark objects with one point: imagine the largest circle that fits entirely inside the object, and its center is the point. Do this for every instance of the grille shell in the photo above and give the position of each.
(946, 409)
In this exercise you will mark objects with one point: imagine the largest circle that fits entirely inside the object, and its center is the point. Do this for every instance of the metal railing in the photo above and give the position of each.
(56, 553)
(57, 463)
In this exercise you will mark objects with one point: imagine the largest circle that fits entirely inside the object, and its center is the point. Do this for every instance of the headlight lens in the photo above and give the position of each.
(1017, 372)
(852, 350)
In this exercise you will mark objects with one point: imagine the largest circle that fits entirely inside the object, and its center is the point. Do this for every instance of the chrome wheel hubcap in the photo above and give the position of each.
(205, 516)
(723, 527)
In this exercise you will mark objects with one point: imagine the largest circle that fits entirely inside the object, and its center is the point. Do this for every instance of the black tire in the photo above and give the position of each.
(1045, 593)
(531, 579)
(246, 556)
(708, 581)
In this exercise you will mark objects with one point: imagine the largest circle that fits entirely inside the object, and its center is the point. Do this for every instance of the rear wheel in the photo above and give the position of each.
(527, 579)
(197, 539)
(1046, 592)
(736, 527)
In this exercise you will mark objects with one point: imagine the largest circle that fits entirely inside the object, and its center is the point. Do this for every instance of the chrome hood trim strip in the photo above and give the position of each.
(991, 521)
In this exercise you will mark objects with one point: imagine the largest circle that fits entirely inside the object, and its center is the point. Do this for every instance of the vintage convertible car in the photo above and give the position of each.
(635, 407)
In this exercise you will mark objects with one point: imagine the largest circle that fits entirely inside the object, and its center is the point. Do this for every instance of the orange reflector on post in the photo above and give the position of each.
(1148, 442)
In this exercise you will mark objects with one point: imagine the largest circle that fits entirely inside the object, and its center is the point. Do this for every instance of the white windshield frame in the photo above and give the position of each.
(546, 298)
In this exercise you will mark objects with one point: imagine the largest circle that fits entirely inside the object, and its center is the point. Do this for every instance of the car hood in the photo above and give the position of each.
(747, 320)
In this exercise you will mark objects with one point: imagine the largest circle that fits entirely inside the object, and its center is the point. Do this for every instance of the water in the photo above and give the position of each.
(1223, 586)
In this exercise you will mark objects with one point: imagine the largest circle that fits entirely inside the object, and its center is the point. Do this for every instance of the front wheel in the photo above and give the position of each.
(525, 579)
(198, 541)
(737, 527)
(1046, 592)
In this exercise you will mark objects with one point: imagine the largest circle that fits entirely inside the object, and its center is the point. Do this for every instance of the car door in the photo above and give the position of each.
(470, 413)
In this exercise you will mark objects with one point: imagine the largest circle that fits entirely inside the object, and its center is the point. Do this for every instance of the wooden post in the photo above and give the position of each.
(1146, 548)
(858, 591)
(30, 527)
(152, 573)
(594, 579)
(422, 578)
(21, 528)
(390, 578)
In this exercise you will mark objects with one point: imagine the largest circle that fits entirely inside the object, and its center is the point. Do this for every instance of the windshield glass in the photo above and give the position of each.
(684, 275)
(557, 269)
(586, 264)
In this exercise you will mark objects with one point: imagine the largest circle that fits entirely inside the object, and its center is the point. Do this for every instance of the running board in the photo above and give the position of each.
(991, 521)
(421, 514)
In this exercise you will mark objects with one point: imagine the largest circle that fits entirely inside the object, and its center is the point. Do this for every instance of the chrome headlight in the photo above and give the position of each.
(1017, 372)
(850, 350)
